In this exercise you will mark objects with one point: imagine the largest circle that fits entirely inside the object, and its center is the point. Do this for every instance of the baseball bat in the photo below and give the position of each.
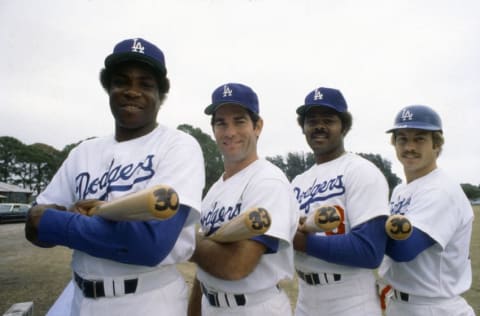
(253, 222)
(157, 202)
(398, 227)
(323, 219)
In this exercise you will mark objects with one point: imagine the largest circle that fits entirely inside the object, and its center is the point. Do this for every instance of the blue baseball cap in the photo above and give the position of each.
(417, 117)
(233, 93)
(328, 97)
(138, 49)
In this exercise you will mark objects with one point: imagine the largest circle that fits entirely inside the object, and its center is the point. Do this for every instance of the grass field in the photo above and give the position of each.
(473, 295)
(28, 273)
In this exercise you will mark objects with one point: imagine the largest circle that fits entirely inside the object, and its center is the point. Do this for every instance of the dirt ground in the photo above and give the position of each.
(29, 273)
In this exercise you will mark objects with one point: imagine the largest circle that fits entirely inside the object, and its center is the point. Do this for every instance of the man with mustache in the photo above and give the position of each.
(431, 269)
(336, 269)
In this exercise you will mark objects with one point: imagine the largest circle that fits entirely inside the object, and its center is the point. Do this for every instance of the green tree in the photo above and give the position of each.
(10, 149)
(298, 163)
(385, 167)
(44, 163)
(29, 166)
(278, 161)
(294, 163)
(211, 154)
(471, 191)
(63, 154)
(36, 165)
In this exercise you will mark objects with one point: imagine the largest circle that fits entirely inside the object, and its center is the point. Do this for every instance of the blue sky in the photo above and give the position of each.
(383, 55)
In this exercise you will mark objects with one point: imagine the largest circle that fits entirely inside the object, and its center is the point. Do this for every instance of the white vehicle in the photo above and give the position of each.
(13, 212)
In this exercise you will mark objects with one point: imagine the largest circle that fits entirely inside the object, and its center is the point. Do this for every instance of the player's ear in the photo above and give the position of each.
(437, 148)
(301, 123)
(105, 77)
(258, 126)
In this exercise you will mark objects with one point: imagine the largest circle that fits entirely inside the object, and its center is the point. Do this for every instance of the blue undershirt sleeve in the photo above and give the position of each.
(408, 249)
(363, 246)
(268, 241)
(142, 243)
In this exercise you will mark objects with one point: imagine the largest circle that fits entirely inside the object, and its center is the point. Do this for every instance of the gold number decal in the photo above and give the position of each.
(340, 230)
(260, 219)
(400, 225)
(166, 199)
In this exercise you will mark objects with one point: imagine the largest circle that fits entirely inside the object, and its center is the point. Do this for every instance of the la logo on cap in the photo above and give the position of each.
(227, 92)
(407, 115)
(137, 46)
(318, 95)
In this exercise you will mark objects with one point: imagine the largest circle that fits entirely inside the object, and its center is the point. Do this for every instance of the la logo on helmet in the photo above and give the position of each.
(227, 92)
(407, 115)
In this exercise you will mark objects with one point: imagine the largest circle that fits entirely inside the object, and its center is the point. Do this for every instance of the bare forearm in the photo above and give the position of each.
(228, 261)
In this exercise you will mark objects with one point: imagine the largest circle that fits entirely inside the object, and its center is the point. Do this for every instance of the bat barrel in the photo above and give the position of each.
(250, 223)
(165, 202)
(158, 202)
(323, 219)
(398, 227)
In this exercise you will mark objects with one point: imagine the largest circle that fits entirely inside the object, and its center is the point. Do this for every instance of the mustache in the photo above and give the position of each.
(410, 153)
(319, 132)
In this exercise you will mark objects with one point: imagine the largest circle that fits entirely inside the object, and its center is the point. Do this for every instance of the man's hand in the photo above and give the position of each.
(301, 223)
(33, 219)
(300, 238)
(84, 207)
(300, 241)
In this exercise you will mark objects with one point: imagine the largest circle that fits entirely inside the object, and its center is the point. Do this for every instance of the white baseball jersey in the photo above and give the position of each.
(105, 169)
(350, 182)
(261, 184)
(437, 206)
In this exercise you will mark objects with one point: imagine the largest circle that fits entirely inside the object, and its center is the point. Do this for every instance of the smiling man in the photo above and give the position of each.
(431, 269)
(124, 268)
(241, 278)
(335, 269)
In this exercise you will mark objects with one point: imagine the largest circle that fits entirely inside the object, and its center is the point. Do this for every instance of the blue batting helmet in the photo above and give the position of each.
(419, 117)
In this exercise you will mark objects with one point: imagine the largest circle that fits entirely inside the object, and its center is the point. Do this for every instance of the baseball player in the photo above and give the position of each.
(335, 269)
(431, 269)
(241, 278)
(125, 268)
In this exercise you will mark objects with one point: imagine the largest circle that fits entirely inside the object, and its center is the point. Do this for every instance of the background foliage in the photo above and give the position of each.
(32, 166)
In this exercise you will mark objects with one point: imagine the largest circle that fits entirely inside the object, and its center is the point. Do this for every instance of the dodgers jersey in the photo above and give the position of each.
(105, 169)
(353, 184)
(261, 184)
(437, 206)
